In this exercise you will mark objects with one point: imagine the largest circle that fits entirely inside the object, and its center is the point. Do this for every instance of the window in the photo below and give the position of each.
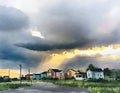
(68, 73)
(57, 74)
(80, 76)
(77, 76)
(60, 74)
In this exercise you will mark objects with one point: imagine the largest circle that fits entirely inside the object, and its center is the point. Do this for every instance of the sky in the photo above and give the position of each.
(43, 34)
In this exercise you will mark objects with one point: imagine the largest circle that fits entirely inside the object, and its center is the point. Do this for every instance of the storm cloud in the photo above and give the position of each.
(12, 19)
(50, 47)
(64, 24)
(19, 56)
(76, 23)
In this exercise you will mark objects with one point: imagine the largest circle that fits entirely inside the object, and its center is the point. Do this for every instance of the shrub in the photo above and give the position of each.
(97, 80)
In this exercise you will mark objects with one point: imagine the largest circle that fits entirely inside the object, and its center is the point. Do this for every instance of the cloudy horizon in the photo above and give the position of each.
(44, 34)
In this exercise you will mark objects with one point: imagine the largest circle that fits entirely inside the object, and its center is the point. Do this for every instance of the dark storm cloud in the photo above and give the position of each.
(75, 24)
(8, 53)
(12, 19)
(49, 47)
(65, 24)
(15, 55)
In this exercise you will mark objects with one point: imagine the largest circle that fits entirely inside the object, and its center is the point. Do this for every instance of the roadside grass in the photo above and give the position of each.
(8, 86)
(110, 86)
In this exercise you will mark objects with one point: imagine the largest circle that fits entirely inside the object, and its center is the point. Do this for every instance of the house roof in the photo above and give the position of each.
(28, 74)
(96, 70)
(56, 70)
(44, 72)
(36, 74)
(71, 69)
(80, 73)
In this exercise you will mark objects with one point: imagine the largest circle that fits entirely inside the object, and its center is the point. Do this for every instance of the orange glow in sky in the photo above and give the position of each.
(54, 60)
(11, 73)
(111, 52)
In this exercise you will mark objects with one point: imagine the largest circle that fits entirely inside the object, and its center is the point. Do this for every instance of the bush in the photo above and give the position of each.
(14, 79)
(97, 80)
(12, 86)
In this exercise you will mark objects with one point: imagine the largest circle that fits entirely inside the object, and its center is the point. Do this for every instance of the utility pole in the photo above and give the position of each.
(20, 74)
(29, 71)
(30, 76)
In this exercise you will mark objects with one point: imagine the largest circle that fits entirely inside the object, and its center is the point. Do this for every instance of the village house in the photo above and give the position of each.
(28, 76)
(95, 73)
(55, 74)
(69, 73)
(80, 75)
(43, 75)
(36, 76)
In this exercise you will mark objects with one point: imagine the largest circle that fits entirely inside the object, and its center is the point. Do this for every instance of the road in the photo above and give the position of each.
(43, 87)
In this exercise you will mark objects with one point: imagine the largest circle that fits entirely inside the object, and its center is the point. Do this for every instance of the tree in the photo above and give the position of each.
(107, 71)
(78, 71)
(91, 67)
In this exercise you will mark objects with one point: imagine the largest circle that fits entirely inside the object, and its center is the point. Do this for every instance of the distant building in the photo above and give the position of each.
(28, 76)
(36, 76)
(69, 73)
(6, 78)
(55, 74)
(80, 75)
(95, 73)
(43, 75)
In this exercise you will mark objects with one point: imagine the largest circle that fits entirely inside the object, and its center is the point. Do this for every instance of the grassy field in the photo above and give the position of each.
(111, 86)
(12, 85)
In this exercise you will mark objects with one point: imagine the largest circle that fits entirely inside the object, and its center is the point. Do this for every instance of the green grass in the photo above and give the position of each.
(7, 86)
(111, 86)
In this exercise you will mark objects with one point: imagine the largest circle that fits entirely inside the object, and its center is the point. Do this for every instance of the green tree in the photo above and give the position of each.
(91, 66)
(107, 71)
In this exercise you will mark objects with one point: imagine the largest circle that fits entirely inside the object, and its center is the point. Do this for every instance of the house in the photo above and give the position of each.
(36, 76)
(80, 75)
(55, 74)
(95, 73)
(6, 78)
(28, 76)
(69, 73)
(43, 75)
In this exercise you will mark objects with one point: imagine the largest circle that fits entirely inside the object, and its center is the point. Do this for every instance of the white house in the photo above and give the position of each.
(80, 76)
(95, 73)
